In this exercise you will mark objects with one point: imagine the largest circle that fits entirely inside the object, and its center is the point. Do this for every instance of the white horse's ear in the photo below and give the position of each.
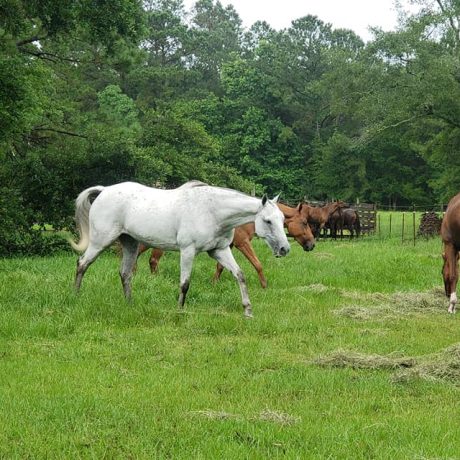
(275, 200)
(264, 199)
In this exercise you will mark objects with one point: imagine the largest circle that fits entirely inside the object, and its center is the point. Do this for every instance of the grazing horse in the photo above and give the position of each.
(319, 215)
(294, 221)
(191, 219)
(450, 235)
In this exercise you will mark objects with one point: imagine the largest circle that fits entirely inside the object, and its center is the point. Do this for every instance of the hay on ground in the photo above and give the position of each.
(343, 358)
(278, 417)
(214, 415)
(384, 306)
(443, 366)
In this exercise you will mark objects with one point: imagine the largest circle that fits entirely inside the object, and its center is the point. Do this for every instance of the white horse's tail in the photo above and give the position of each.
(82, 207)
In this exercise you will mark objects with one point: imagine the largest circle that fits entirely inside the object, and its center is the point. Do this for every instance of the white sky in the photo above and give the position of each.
(356, 15)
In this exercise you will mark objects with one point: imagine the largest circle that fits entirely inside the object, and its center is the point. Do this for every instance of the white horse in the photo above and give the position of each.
(191, 219)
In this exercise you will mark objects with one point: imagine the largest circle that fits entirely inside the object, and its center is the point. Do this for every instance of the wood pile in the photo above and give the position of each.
(430, 224)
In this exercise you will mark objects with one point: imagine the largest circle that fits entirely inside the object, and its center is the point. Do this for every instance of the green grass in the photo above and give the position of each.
(398, 224)
(91, 376)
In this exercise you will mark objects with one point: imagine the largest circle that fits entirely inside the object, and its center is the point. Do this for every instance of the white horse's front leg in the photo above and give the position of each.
(186, 263)
(226, 259)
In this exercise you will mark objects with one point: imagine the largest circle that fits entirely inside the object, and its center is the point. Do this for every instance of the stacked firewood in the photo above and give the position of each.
(430, 224)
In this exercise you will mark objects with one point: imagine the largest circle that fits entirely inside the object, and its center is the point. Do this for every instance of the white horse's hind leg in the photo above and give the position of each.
(226, 259)
(130, 248)
(186, 263)
(85, 261)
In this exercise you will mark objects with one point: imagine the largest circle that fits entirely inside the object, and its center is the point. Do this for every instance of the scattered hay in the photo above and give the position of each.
(266, 415)
(443, 366)
(278, 417)
(384, 306)
(342, 358)
(323, 255)
(317, 288)
(359, 313)
(215, 415)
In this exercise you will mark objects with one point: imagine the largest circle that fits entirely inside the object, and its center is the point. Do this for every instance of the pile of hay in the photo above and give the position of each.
(384, 306)
(343, 358)
(443, 366)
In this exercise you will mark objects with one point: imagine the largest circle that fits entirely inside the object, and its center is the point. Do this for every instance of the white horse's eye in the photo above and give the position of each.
(269, 222)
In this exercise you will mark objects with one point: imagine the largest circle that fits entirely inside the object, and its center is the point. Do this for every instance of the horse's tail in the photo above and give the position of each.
(358, 224)
(82, 207)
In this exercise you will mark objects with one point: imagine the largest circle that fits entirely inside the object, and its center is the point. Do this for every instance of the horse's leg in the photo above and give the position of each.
(85, 261)
(130, 248)
(249, 253)
(186, 262)
(155, 257)
(219, 270)
(225, 257)
(452, 257)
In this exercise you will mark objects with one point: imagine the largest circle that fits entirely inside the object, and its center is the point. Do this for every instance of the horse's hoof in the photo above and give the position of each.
(248, 314)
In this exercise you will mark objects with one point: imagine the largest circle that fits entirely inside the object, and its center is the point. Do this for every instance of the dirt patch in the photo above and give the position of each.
(443, 366)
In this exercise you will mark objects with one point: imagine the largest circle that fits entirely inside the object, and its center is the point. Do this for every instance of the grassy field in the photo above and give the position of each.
(349, 355)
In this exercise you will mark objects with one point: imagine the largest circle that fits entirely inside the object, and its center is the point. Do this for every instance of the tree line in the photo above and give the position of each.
(98, 92)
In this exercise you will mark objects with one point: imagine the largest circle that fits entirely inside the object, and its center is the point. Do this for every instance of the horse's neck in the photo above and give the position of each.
(237, 209)
(330, 208)
(289, 213)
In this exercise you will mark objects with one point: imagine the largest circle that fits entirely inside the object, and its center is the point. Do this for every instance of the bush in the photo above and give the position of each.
(17, 235)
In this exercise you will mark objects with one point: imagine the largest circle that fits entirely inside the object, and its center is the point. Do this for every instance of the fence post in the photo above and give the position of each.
(390, 223)
(413, 220)
(402, 229)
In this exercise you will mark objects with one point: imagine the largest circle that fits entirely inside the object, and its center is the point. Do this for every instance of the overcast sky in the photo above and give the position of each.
(356, 15)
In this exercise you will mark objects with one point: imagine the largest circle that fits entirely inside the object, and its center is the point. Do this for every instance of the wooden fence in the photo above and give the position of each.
(367, 213)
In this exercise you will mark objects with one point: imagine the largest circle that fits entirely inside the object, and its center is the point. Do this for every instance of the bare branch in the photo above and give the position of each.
(59, 131)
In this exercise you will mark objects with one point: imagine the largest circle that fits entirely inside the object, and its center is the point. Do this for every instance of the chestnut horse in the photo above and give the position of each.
(319, 215)
(295, 222)
(450, 235)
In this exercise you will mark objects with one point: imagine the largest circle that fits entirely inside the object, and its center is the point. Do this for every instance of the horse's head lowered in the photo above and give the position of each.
(269, 224)
(299, 228)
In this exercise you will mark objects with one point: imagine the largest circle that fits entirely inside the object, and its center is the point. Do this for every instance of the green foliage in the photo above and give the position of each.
(92, 93)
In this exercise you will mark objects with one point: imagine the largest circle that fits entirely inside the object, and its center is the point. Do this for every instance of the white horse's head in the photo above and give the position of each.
(270, 226)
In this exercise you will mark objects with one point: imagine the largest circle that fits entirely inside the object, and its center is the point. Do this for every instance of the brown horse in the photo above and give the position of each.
(295, 222)
(319, 215)
(344, 218)
(450, 235)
